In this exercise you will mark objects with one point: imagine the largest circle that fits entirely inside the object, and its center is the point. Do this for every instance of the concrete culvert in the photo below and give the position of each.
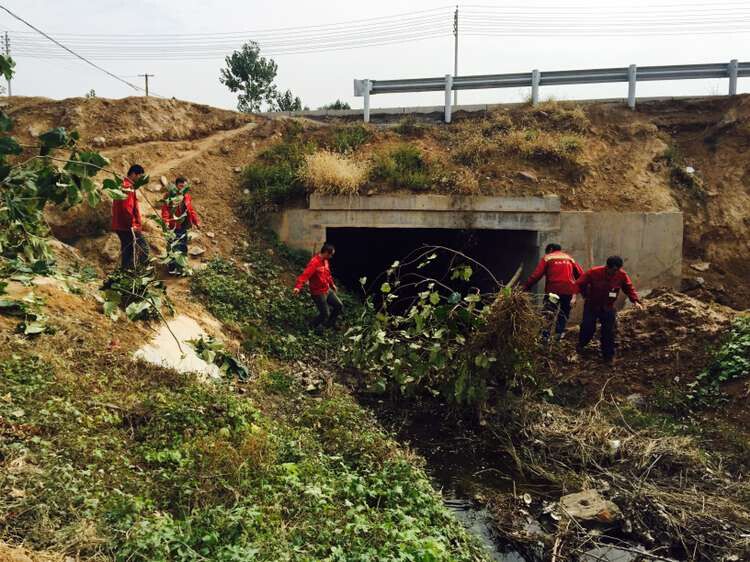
(368, 252)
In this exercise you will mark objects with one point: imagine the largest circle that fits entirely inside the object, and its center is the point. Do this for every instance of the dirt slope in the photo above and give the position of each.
(625, 161)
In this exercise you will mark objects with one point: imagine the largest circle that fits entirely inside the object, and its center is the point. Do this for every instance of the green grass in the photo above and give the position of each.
(109, 460)
(348, 138)
(403, 166)
(273, 179)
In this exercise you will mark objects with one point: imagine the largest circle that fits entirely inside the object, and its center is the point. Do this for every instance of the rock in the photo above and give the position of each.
(700, 266)
(636, 400)
(197, 181)
(692, 283)
(225, 149)
(196, 251)
(712, 193)
(690, 170)
(210, 234)
(589, 505)
(99, 141)
(528, 176)
(163, 181)
(237, 169)
(269, 251)
(154, 187)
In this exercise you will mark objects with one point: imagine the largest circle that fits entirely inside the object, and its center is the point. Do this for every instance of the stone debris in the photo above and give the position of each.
(163, 181)
(196, 251)
(99, 141)
(589, 505)
(528, 176)
(700, 266)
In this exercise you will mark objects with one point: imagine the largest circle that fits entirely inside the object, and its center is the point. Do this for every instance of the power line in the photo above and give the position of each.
(69, 50)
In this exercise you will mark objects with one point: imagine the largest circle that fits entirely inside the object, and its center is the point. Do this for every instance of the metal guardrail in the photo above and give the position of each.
(535, 79)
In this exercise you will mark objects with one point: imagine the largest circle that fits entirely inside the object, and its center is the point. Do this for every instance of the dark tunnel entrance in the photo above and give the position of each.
(368, 252)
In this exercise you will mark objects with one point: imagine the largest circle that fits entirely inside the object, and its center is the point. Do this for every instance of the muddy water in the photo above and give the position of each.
(459, 467)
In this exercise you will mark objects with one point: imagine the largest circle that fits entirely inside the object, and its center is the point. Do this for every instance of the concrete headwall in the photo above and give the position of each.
(650, 243)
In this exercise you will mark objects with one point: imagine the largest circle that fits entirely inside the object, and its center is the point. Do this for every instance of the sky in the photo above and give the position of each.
(322, 77)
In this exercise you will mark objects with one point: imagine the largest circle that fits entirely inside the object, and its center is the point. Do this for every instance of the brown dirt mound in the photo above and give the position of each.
(671, 339)
(122, 122)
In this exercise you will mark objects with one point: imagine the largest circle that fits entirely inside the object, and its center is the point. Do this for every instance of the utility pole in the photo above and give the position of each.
(7, 54)
(147, 76)
(455, 53)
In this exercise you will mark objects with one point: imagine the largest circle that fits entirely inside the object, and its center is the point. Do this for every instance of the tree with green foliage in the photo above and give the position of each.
(253, 75)
(288, 102)
(338, 104)
(28, 184)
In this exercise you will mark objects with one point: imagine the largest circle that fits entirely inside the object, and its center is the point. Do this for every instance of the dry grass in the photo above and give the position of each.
(556, 116)
(666, 485)
(331, 173)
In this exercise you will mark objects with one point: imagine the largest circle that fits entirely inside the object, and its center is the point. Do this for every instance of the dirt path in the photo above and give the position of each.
(200, 147)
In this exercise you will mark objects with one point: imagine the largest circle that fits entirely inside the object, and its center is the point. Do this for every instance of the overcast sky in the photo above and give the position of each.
(319, 78)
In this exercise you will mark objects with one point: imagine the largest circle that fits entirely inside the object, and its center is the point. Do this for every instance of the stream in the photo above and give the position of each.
(466, 472)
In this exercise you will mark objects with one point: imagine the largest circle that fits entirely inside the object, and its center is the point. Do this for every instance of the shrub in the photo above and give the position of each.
(474, 149)
(328, 172)
(552, 115)
(451, 340)
(550, 147)
(498, 123)
(338, 104)
(273, 179)
(349, 138)
(410, 127)
(403, 166)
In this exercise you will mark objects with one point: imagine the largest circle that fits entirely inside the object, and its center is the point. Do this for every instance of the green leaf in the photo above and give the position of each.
(434, 298)
(112, 309)
(36, 327)
(6, 123)
(8, 145)
(54, 138)
(454, 298)
(7, 65)
(135, 309)
(385, 288)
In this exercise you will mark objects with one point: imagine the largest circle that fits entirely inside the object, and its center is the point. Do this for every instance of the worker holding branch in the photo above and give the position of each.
(126, 221)
(179, 216)
(560, 271)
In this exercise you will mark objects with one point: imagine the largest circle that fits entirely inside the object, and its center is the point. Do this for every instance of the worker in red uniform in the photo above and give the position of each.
(600, 286)
(179, 215)
(560, 271)
(322, 288)
(126, 222)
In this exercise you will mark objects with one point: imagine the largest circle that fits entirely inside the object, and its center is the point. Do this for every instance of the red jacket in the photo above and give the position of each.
(125, 212)
(561, 272)
(601, 290)
(318, 273)
(185, 208)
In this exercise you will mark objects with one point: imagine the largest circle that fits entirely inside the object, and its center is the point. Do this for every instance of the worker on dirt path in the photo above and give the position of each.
(126, 222)
(600, 286)
(560, 271)
(179, 215)
(322, 288)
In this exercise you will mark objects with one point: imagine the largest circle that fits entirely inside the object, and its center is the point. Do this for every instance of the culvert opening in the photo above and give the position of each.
(368, 252)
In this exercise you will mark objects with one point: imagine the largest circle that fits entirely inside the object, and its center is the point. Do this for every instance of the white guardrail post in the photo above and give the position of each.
(366, 112)
(448, 88)
(631, 86)
(733, 67)
(535, 86)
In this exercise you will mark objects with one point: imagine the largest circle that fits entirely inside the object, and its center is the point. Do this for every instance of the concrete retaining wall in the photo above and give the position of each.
(650, 243)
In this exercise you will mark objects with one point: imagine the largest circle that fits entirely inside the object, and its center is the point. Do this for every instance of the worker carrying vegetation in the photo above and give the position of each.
(126, 221)
(322, 288)
(600, 286)
(560, 271)
(179, 215)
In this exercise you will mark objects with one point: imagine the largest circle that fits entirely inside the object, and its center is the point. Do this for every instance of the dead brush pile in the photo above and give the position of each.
(511, 328)
(675, 498)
